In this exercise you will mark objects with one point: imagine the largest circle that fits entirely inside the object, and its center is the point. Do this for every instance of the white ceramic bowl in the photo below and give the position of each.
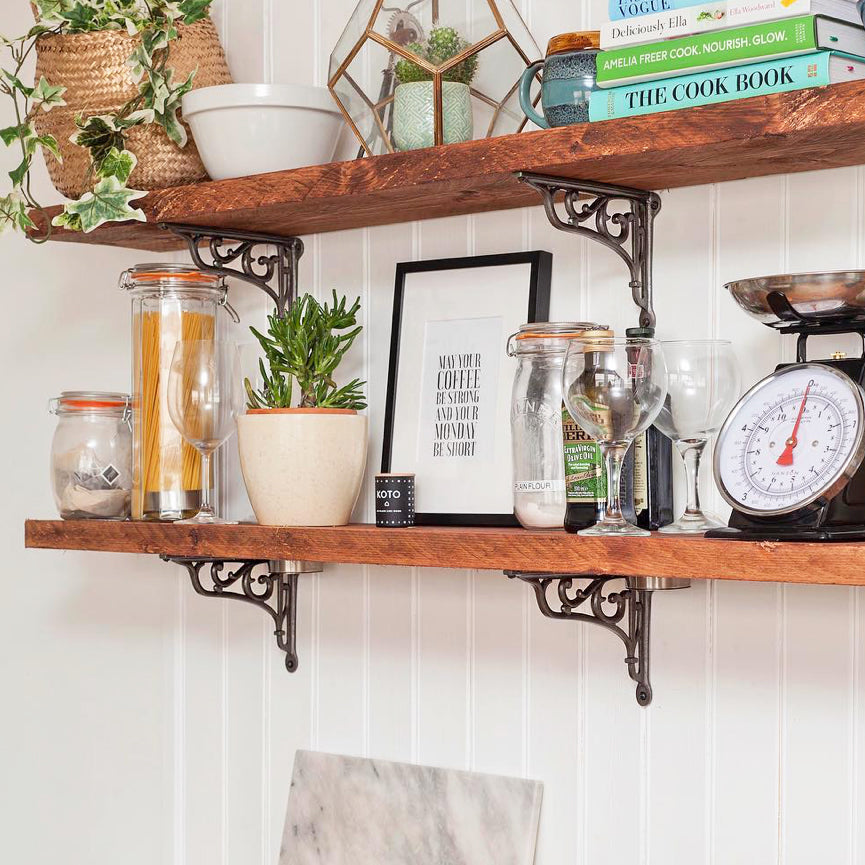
(244, 129)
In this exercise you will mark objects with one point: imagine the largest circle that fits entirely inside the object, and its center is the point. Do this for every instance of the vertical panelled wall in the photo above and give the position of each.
(145, 724)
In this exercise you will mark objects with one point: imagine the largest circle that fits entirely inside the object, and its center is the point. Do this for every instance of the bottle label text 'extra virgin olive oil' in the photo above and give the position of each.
(585, 476)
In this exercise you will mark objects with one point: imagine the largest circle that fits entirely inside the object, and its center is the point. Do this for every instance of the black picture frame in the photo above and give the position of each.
(537, 309)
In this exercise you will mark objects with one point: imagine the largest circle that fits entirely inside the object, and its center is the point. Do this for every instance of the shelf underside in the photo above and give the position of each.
(477, 549)
(789, 132)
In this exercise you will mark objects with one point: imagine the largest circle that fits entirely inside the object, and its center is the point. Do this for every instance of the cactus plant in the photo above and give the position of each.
(442, 44)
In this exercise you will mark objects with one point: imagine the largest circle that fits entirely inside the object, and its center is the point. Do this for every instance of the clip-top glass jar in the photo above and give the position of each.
(91, 455)
(170, 303)
(540, 495)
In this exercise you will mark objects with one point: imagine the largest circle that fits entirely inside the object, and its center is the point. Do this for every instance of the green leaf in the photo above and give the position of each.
(49, 143)
(11, 134)
(80, 18)
(119, 164)
(13, 214)
(47, 96)
(18, 174)
(16, 83)
(99, 135)
(72, 221)
(107, 202)
(194, 10)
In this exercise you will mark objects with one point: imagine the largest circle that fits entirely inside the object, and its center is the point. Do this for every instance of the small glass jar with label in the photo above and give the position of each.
(540, 484)
(91, 455)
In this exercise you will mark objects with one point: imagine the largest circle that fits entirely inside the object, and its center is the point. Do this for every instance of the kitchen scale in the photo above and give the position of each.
(789, 457)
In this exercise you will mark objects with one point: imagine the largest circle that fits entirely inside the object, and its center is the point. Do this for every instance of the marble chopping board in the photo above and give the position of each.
(352, 811)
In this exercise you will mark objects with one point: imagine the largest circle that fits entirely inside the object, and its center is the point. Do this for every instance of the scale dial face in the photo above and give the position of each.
(795, 438)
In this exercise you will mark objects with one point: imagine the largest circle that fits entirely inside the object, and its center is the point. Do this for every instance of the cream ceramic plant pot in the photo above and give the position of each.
(302, 467)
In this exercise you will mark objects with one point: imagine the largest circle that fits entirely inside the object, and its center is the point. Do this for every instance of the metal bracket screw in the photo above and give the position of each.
(276, 274)
(629, 233)
(607, 609)
(274, 591)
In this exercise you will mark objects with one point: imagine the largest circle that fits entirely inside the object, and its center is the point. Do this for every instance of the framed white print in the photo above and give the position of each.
(449, 381)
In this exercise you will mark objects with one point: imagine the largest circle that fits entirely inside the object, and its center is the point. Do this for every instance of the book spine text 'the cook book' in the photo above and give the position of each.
(723, 85)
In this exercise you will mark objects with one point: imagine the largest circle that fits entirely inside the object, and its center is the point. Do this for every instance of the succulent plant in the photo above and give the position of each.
(442, 44)
(305, 345)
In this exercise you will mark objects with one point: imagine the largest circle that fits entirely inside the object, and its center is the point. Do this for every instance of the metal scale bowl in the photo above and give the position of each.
(789, 458)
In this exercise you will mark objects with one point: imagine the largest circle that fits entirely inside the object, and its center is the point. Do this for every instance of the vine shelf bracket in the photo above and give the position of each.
(274, 590)
(595, 211)
(274, 272)
(627, 613)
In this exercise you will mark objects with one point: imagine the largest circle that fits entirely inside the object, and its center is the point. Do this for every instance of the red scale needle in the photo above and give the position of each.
(786, 458)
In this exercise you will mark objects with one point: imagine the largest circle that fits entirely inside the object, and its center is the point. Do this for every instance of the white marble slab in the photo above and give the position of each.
(351, 811)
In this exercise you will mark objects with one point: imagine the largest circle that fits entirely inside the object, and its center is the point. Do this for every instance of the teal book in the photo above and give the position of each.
(724, 85)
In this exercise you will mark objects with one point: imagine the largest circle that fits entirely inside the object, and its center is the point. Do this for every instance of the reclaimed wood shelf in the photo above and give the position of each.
(789, 132)
(481, 549)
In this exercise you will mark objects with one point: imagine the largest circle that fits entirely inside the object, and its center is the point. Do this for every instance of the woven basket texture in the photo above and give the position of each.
(93, 69)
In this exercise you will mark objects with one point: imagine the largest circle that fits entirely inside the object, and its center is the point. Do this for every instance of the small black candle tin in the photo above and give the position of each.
(394, 501)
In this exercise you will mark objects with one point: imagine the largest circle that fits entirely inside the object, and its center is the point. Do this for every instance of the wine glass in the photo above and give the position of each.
(204, 399)
(614, 388)
(703, 383)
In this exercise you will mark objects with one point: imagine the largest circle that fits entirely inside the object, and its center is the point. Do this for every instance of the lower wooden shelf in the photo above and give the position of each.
(481, 549)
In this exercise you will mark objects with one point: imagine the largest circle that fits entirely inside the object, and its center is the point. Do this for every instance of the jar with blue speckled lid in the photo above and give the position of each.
(569, 77)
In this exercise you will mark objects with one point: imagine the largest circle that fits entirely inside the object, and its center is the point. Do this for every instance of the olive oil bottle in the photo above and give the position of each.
(647, 473)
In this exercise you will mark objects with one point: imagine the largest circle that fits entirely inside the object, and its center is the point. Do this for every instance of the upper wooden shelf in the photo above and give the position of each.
(789, 132)
(481, 549)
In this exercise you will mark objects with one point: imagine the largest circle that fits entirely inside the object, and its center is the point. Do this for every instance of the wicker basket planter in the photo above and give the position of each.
(93, 68)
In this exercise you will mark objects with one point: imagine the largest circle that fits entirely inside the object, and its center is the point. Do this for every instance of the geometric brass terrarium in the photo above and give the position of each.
(414, 73)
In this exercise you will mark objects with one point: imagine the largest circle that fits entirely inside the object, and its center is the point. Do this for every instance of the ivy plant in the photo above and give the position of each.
(105, 136)
(442, 44)
(306, 345)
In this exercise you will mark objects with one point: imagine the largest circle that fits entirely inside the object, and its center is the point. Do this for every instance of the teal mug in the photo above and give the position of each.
(569, 78)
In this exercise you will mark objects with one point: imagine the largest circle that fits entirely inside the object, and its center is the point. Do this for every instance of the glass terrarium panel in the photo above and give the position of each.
(495, 86)
(354, 32)
(366, 92)
(459, 23)
(391, 98)
(520, 33)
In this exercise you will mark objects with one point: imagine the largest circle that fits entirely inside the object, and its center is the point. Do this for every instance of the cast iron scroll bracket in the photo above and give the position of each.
(627, 613)
(274, 591)
(628, 230)
(275, 273)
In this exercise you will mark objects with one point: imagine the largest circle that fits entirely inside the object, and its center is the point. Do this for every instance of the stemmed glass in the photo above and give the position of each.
(703, 383)
(614, 389)
(204, 399)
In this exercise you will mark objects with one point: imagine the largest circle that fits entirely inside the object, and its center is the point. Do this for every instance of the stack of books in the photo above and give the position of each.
(660, 55)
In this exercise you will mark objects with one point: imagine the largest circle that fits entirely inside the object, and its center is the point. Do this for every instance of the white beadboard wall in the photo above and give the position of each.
(143, 724)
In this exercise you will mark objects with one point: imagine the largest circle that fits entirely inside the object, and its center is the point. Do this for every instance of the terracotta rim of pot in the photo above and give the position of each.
(301, 411)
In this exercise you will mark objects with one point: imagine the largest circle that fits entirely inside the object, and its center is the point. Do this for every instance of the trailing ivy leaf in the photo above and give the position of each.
(119, 164)
(98, 134)
(194, 10)
(107, 202)
(72, 221)
(80, 18)
(48, 96)
(136, 118)
(166, 101)
(49, 143)
(11, 134)
(18, 174)
(49, 10)
(13, 214)
(16, 82)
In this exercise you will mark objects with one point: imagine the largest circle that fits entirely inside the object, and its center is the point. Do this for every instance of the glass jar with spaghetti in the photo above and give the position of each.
(170, 303)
